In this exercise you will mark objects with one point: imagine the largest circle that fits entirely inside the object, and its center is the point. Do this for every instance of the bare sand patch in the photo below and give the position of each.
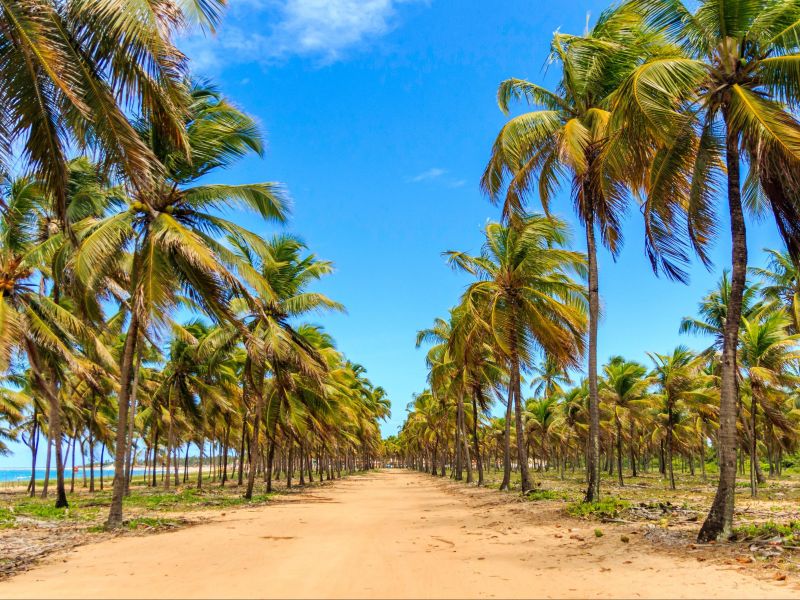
(392, 534)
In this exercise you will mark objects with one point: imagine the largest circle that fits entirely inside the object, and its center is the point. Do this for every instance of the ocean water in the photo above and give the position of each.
(24, 475)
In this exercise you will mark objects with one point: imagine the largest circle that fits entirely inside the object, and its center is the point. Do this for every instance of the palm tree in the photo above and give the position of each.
(548, 378)
(33, 322)
(723, 96)
(624, 386)
(12, 404)
(782, 278)
(566, 140)
(713, 311)
(71, 71)
(767, 352)
(284, 272)
(676, 374)
(448, 378)
(170, 234)
(542, 419)
(527, 299)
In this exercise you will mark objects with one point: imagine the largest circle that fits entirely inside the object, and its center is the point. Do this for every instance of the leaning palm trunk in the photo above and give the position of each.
(55, 433)
(131, 421)
(719, 522)
(48, 388)
(126, 370)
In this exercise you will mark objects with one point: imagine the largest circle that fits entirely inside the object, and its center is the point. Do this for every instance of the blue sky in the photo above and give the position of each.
(379, 116)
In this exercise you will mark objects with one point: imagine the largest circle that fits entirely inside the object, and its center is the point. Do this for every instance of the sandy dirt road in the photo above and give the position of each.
(385, 535)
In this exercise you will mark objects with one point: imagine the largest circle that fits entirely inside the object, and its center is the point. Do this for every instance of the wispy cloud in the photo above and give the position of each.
(439, 175)
(434, 173)
(320, 29)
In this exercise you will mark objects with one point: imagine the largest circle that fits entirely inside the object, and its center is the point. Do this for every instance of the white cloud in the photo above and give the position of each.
(438, 175)
(320, 29)
(434, 173)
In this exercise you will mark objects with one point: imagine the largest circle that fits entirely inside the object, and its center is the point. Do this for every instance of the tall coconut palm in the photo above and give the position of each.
(565, 140)
(35, 323)
(171, 235)
(723, 96)
(528, 300)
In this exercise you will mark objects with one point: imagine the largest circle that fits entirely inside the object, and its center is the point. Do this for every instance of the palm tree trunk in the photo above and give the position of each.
(225, 451)
(753, 447)
(241, 451)
(132, 419)
(619, 449)
(702, 456)
(270, 458)
(290, 466)
(669, 449)
(168, 446)
(155, 453)
(593, 444)
(35, 436)
(457, 471)
(256, 391)
(102, 462)
(201, 444)
(463, 436)
(719, 522)
(520, 426)
(114, 520)
(506, 484)
(475, 442)
(633, 449)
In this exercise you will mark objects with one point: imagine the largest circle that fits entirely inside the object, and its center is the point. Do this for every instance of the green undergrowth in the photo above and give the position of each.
(539, 495)
(607, 508)
(790, 532)
(144, 503)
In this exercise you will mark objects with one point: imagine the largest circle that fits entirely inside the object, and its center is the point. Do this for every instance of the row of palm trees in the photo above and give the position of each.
(662, 103)
(134, 315)
(653, 413)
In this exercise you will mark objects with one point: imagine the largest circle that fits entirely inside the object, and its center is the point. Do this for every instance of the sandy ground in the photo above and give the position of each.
(386, 535)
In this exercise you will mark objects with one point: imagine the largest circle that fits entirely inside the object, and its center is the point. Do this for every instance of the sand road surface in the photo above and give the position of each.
(391, 534)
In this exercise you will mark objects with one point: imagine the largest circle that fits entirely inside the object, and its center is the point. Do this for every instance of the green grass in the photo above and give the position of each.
(538, 495)
(7, 518)
(788, 531)
(608, 508)
(142, 504)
